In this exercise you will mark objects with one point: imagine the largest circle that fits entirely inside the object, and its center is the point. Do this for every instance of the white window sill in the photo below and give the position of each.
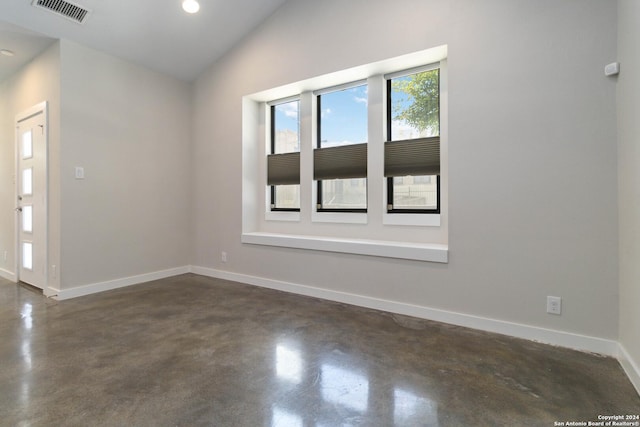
(380, 248)
(421, 220)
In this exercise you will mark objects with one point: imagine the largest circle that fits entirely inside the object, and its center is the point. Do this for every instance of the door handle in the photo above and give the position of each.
(19, 209)
(19, 197)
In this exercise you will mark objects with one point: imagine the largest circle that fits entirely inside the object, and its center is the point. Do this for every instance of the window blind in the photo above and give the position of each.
(412, 157)
(347, 161)
(283, 169)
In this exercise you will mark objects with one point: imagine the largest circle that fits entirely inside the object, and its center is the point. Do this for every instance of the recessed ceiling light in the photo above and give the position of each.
(6, 52)
(190, 6)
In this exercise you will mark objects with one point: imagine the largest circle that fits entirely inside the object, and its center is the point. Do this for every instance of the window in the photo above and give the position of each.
(414, 226)
(340, 159)
(27, 145)
(283, 163)
(412, 153)
(27, 182)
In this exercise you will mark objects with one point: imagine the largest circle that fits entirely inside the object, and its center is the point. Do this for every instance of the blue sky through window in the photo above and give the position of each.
(344, 117)
(287, 127)
(287, 116)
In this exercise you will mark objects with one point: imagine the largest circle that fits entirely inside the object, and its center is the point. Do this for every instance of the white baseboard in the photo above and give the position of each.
(547, 336)
(6, 274)
(631, 368)
(93, 288)
(51, 292)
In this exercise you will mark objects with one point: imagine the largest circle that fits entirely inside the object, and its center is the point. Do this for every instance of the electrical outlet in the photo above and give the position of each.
(5, 256)
(554, 305)
(223, 257)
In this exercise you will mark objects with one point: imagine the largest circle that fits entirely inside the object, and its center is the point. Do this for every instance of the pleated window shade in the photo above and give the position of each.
(412, 157)
(343, 162)
(283, 169)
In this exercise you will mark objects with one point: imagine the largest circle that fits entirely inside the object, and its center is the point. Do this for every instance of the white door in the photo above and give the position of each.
(32, 207)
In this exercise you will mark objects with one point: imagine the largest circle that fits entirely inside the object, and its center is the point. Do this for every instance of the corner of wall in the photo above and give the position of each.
(627, 109)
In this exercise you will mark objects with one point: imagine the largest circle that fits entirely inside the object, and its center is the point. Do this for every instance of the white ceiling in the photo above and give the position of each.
(155, 33)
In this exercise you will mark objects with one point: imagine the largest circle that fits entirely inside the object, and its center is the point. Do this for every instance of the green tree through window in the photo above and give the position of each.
(417, 101)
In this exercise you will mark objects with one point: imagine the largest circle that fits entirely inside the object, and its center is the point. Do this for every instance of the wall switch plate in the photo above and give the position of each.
(554, 305)
(79, 172)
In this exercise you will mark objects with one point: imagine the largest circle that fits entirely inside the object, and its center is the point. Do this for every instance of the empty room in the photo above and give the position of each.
(319, 213)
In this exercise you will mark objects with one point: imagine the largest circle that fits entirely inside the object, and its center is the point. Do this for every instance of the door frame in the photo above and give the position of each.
(43, 108)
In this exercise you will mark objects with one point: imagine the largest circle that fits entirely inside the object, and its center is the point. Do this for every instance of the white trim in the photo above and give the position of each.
(6, 274)
(339, 87)
(32, 111)
(404, 62)
(340, 217)
(93, 288)
(534, 333)
(50, 292)
(414, 70)
(286, 100)
(292, 216)
(380, 248)
(630, 366)
(422, 220)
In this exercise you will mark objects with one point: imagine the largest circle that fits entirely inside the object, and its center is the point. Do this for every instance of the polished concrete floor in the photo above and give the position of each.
(192, 350)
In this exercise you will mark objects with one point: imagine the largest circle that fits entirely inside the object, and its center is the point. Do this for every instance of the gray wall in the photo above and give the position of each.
(38, 81)
(129, 128)
(532, 153)
(629, 177)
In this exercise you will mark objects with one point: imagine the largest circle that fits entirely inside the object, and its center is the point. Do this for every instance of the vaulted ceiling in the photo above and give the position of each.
(155, 33)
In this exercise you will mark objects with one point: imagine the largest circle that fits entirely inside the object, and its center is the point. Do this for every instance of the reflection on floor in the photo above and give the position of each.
(192, 350)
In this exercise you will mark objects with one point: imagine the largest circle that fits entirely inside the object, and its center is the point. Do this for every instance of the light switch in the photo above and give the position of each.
(79, 172)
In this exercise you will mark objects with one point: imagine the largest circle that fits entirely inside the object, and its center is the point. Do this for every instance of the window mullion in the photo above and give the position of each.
(375, 160)
(307, 143)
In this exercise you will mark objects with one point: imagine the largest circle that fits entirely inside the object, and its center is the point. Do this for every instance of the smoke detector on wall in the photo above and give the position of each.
(64, 8)
(612, 69)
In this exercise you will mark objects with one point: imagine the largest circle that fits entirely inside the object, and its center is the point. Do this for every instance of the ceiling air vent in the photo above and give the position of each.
(64, 8)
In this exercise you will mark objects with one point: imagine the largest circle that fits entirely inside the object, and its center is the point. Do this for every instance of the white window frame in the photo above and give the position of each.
(270, 213)
(344, 217)
(423, 219)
